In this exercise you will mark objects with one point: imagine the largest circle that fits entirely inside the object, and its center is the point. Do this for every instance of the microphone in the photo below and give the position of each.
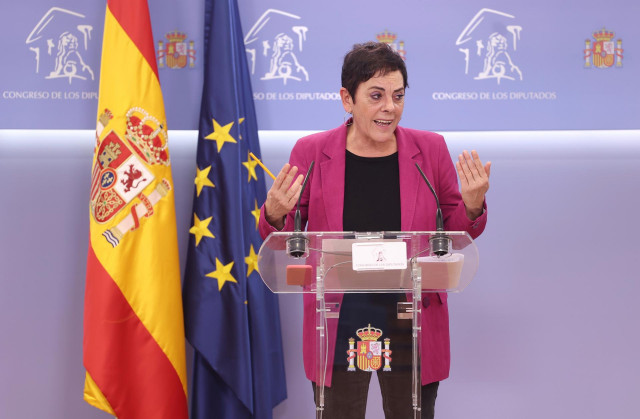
(297, 243)
(439, 242)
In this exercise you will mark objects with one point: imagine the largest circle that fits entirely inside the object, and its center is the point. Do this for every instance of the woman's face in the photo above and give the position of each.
(377, 108)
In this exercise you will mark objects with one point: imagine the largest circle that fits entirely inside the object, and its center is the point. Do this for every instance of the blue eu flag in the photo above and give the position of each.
(231, 318)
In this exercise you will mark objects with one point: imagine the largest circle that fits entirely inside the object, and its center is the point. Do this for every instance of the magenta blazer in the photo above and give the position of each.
(322, 206)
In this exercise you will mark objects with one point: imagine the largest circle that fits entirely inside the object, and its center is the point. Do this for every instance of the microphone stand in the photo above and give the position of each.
(439, 242)
(297, 243)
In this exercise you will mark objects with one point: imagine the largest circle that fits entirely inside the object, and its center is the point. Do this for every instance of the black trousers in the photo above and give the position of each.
(347, 397)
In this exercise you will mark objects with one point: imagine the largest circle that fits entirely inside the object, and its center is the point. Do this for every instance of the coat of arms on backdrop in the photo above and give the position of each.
(175, 52)
(369, 352)
(604, 51)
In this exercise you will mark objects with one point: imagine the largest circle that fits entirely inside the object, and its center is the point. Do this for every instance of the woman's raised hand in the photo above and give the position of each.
(282, 196)
(474, 182)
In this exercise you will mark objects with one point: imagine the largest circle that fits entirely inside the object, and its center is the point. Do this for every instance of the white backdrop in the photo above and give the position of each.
(548, 328)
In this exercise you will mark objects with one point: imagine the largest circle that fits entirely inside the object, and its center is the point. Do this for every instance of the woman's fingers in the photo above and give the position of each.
(283, 195)
(284, 178)
(487, 169)
(470, 167)
(280, 177)
(477, 163)
(461, 174)
(294, 191)
(474, 181)
(463, 164)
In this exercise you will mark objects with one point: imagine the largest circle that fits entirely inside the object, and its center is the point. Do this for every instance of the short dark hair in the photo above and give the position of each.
(367, 60)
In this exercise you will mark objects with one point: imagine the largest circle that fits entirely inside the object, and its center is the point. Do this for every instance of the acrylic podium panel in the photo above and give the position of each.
(332, 252)
(390, 271)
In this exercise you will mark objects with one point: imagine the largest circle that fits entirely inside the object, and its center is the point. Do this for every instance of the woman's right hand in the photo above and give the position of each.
(282, 196)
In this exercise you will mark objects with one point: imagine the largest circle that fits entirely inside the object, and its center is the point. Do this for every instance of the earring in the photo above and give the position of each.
(348, 119)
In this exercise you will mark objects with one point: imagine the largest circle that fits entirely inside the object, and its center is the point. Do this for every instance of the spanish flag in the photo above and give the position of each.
(134, 350)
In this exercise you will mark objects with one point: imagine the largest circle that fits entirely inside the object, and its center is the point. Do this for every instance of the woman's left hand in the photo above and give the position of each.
(474, 182)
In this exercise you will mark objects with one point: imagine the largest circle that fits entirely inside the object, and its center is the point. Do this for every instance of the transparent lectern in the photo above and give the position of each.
(330, 264)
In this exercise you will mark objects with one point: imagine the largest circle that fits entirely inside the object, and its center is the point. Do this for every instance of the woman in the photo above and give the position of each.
(365, 179)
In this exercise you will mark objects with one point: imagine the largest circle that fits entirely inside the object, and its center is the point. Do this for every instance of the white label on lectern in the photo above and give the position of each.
(379, 255)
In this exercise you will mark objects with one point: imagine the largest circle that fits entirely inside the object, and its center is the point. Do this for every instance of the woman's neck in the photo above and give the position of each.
(360, 146)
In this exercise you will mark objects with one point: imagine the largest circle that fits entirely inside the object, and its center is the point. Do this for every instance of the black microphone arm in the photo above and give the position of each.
(439, 242)
(297, 243)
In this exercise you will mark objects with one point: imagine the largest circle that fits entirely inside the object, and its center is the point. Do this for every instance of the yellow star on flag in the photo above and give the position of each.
(251, 164)
(256, 213)
(221, 134)
(222, 274)
(251, 261)
(202, 179)
(201, 228)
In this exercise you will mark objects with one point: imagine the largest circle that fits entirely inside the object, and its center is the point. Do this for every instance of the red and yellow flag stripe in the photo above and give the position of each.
(133, 326)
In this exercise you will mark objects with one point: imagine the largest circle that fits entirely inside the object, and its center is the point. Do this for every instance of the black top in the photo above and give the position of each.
(371, 203)
(371, 193)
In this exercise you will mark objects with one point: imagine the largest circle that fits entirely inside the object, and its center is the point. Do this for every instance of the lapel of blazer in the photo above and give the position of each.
(332, 176)
(408, 156)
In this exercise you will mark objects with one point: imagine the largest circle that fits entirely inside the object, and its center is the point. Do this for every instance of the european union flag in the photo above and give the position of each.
(231, 318)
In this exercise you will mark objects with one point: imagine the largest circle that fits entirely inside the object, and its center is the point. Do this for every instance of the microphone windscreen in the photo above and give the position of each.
(299, 275)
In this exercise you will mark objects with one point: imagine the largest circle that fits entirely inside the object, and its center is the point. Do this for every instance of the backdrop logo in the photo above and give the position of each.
(176, 53)
(58, 42)
(489, 43)
(274, 46)
(603, 51)
(391, 39)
